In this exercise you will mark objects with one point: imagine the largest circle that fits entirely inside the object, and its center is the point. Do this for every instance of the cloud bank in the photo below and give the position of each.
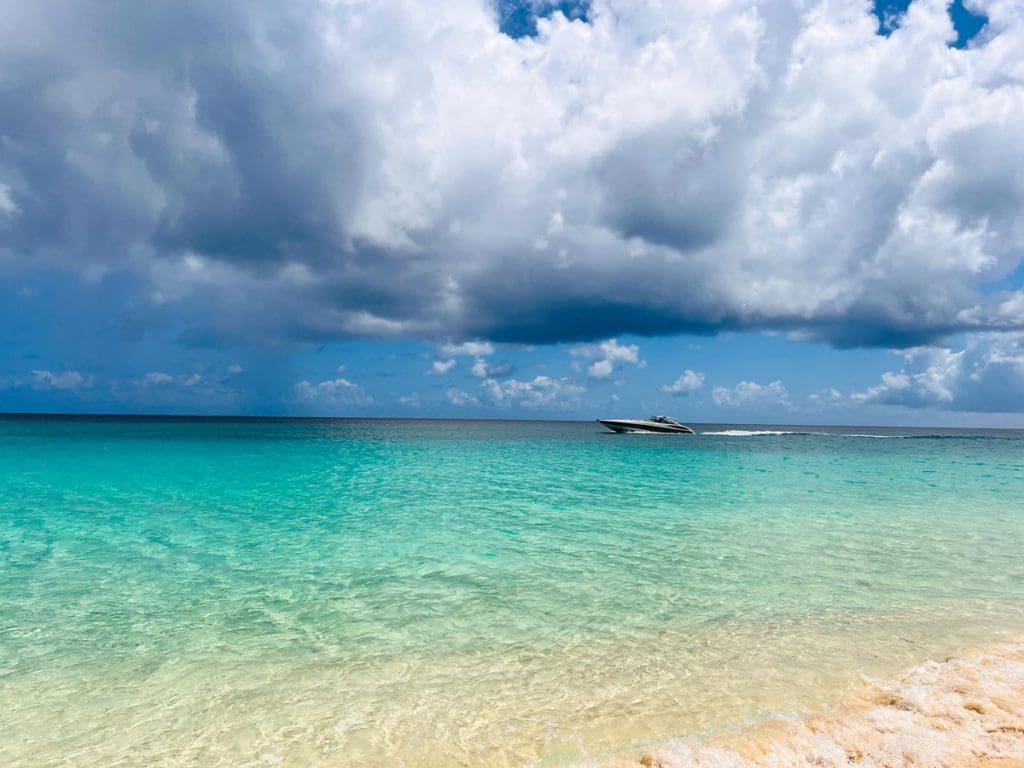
(282, 173)
(986, 376)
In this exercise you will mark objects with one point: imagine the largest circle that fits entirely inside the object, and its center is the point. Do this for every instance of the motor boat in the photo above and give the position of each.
(661, 424)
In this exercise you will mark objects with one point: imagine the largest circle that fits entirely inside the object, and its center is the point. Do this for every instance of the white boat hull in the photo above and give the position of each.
(643, 425)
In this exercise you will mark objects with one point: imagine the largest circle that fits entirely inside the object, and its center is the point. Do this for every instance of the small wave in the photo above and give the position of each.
(963, 713)
(807, 433)
(760, 432)
(646, 432)
(776, 432)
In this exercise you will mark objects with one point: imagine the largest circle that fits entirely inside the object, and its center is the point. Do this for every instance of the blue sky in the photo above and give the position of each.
(757, 211)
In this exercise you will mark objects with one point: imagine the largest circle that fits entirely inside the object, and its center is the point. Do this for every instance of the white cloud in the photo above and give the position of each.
(155, 388)
(891, 384)
(484, 369)
(541, 391)
(467, 349)
(410, 400)
(441, 367)
(826, 397)
(750, 393)
(235, 370)
(480, 368)
(8, 208)
(157, 378)
(680, 165)
(688, 382)
(459, 397)
(334, 392)
(987, 375)
(607, 356)
(71, 381)
(160, 389)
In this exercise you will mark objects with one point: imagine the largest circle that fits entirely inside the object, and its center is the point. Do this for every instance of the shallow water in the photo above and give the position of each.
(474, 593)
(962, 713)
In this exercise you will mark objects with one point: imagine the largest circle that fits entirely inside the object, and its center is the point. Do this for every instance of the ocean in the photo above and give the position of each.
(242, 592)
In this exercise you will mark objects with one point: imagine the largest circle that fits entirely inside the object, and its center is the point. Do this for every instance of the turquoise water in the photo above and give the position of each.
(473, 593)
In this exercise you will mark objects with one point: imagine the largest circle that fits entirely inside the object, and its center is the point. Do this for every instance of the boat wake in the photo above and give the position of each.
(964, 713)
(759, 432)
(807, 433)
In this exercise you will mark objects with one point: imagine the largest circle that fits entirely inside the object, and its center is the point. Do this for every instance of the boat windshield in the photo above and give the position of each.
(665, 420)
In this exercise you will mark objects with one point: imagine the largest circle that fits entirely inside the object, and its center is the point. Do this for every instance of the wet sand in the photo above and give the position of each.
(961, 713)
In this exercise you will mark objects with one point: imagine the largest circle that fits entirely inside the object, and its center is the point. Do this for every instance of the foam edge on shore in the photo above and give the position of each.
(961, 713)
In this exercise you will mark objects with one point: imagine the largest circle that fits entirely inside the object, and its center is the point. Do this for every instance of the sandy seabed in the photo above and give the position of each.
(961, 713)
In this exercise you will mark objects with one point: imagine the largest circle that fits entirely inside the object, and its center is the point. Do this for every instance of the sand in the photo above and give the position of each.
(961, 713)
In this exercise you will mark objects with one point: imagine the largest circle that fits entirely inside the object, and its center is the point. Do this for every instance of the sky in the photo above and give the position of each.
(784, 211)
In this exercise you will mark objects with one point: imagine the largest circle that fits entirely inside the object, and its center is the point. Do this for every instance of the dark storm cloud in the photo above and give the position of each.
(311, 171)
(677, 191)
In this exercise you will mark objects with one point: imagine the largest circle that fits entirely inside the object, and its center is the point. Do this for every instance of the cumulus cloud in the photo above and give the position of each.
(987, 375)
(750, 393)
(65, 380)
(292, 172)
(886, 392)
(485, 369)
(688, 382)
(332, 392)
(156, 378)
(607, 357)
(155, 389)
(467, 349)
(826, 397)
(441, 367)
(159, 379)
(159, 389)
(460, 397)
(541, 391)
(8, 208)
(410, 400)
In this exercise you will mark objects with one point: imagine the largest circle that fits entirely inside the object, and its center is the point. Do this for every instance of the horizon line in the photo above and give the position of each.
(56, 415)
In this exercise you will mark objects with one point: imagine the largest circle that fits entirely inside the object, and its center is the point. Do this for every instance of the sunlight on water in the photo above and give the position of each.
(961, 713)
(230, 593)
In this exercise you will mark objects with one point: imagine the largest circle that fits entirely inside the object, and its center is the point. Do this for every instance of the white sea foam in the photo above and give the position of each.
(765, 432)
(760, 432)
(965, 713)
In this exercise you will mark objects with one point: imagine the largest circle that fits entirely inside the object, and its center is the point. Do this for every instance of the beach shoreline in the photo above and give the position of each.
(966, 712)
(475, 594)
